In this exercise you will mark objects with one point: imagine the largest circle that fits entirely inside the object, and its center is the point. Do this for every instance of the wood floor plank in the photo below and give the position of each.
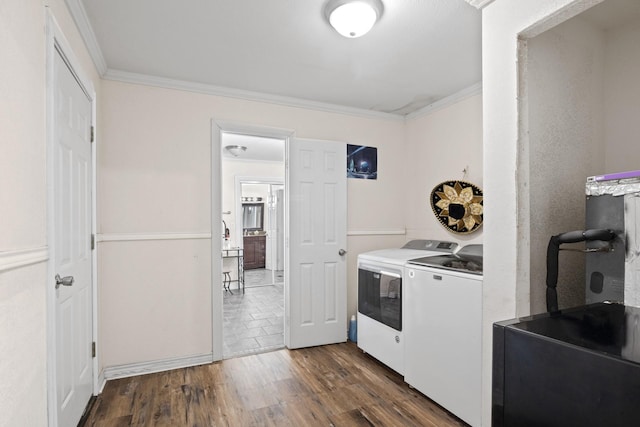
(335, 385)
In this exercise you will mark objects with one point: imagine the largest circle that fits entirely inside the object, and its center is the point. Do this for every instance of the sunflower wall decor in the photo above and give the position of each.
(458, 206)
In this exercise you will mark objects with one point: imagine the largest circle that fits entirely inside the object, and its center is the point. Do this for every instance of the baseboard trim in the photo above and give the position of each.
(133, 369)
(102, 381)
(131, 237)
(23, 257)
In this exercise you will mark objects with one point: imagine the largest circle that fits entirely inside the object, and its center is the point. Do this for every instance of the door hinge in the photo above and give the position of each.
(92, 134)
(93, 349)
(93, 241)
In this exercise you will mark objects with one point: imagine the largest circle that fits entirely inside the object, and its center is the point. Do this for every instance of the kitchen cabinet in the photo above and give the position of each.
(254, 251)
(443, 314)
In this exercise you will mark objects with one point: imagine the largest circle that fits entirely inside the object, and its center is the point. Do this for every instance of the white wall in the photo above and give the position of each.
(439, 146)
(506, 229)
(23, 235)
(583, 104)
(154, 179)
(622, 98)
(564, 91)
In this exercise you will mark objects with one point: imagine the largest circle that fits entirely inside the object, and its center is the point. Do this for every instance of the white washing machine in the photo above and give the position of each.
(381, 298)
(443, 330)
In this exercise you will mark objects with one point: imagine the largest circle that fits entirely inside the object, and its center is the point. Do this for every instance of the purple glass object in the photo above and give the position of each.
(612, 176)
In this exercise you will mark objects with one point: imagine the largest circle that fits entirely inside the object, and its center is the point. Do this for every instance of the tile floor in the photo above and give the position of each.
(254, 321)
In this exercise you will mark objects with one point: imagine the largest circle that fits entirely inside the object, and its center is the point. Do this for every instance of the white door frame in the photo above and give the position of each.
(217, 128)
(57, 41)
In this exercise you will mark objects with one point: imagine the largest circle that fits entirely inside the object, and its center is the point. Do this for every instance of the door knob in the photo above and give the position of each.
(64, 281)
(341, 252)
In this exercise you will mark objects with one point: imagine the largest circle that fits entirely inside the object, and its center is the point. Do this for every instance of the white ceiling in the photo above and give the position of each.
(257, 148)
(420, 51)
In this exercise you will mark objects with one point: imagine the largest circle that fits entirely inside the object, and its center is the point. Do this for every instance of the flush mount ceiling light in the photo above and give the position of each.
(353, 18)
(235, 150)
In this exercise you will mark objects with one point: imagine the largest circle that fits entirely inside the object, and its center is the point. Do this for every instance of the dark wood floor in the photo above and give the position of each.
(335, 385)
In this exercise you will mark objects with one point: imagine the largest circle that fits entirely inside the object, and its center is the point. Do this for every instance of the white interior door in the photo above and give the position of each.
(72, 244)
(317, 213)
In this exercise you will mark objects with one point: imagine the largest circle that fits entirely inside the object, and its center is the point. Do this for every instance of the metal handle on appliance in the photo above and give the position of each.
(377, 270)
(342, 252)
(64, 281)
(437, 277)
(390, 274)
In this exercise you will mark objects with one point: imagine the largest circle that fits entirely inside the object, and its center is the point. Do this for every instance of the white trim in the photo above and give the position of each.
(217, 306)
(97, 389)
(236, 159)
(102, 381)
(448, 101)
(399, 232)
(79, 15)
(251, 130)
(131, 237)
(207, 89)
(52, 31)
(23, 257)
(133, 369)
(480, 4)
(217, 128)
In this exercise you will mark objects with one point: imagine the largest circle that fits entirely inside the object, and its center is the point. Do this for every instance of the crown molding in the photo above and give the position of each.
(480, 4)
(162, 82)
(81, 19)
(475, 89)
(79, 15)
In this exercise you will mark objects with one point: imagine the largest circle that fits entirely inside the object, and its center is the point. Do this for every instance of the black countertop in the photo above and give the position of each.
(610, 329)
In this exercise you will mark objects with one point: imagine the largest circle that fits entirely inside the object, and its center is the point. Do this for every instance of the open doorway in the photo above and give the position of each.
(252, 190)
(262, 227)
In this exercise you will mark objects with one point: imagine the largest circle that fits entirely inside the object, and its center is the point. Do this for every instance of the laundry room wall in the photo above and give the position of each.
(23, 195)
(622, 96)
(565, 92)
(506, 285)
(441, 145)
(155, 185)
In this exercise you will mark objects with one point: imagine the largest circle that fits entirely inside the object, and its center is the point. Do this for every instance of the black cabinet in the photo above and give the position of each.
(254, 252)
(576, 367)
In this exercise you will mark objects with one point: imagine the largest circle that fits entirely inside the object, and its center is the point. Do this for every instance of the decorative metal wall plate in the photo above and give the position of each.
(458, 206)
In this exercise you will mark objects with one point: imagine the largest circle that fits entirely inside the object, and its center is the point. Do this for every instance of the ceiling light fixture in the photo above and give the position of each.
(353, 18)
(235, 150)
